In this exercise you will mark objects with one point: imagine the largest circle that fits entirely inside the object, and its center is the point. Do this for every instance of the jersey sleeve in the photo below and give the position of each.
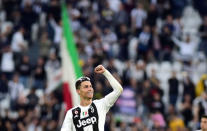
(111, 98)
(68, 122)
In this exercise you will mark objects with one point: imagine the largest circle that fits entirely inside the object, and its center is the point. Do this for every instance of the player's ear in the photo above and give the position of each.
(78, 91)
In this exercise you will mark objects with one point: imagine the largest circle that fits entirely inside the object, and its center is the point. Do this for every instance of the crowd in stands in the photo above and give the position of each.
(148, 45)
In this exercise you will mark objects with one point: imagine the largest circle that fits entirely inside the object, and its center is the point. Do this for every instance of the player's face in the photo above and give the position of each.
(204, 124)
(86, 90)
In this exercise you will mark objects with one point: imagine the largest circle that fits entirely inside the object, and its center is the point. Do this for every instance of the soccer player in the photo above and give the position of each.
(203, 123)
(90, 115)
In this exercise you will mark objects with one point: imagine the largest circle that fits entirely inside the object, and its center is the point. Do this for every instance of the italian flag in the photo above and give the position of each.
(71, 69)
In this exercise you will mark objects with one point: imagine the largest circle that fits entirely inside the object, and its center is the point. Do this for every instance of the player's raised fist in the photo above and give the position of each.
(100, 69)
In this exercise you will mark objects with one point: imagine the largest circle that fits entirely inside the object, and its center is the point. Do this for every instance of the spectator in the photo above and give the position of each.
(3, 86)
(44, 109)
(16, 17)
(57, 32)
(21, 125)
(9, 7)
(203, 34)
(189, 87)
(158, 121)
(24, 69)
(34, 125)
(111, 66)
(15, 91)
(199, 107)
(186, 109)
(155, 84)
(179, 5)
(32, 99)
(98, 57)
(127, 101)
(1, 125)
(200, 6)
(123, 37)
(138, 17)
(152, 16)
(127, 73)
(138, 71)
(144, 42)
(43, 124)
(178, 27)
(173, 88)
(39, 74)
(187, 49)
(75, 23)
(129, 5)
(107, 14)
(7, 62)
(157, 104)
(169, 23)
(109, 40)
(156, 44)
(167, 44)
(28, 18)
(121, 17)
(53, 9)
(52, 63)
(201, 85)
(146, 96)
(6, 122)
(45, 45)
(6, 34)
(176, 123)
(55, 107)
(18, 43)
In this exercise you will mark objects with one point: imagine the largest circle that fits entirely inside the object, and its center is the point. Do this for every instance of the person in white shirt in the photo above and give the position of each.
(187, 48)
(138, 16)
(58, 31)
(18, 43)
(7, 65)
(16, 91)
(90, 115)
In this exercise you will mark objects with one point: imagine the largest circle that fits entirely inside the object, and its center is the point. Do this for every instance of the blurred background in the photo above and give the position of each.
(157, 49)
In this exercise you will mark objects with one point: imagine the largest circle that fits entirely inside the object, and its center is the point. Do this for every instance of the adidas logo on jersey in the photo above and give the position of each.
(86, 122)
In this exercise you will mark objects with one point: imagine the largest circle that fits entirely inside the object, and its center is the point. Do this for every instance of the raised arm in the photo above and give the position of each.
(176, 41)
(111, 98)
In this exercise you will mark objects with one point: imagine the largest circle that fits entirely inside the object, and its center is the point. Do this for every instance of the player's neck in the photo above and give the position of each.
(85, 102)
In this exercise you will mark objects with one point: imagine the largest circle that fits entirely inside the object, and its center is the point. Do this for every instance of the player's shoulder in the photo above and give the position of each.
(73, 108)
(98, 102)
(101, 104)
(70, 110)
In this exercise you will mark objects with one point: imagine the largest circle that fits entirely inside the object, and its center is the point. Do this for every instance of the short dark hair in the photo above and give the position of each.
(80, 80)
(204, 116)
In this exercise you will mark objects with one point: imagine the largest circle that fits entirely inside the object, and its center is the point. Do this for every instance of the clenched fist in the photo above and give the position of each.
(99, 69)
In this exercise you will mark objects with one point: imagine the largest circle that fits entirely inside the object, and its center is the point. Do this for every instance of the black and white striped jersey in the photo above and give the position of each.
(92, 117)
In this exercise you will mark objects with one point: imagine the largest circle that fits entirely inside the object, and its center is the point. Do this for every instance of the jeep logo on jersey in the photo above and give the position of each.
(86, 122)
